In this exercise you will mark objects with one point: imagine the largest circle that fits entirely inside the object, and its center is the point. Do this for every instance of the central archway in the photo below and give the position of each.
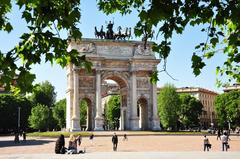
(119, 87)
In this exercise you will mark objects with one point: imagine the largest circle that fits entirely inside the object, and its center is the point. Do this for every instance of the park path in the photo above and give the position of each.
(141, 143)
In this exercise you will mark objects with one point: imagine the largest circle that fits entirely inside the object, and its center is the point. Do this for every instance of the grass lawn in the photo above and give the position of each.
(135, 133)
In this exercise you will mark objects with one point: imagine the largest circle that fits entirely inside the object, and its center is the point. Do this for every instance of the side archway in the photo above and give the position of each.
(86, 114)
(142, 112)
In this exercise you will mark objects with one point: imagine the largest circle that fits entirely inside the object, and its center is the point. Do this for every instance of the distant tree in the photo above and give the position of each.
(44, 94)
(190, 110)
(83, 112)
(39, 118)
(59, 113)
(9, 112)
(168, 106)
(113, 111)
(227, 106)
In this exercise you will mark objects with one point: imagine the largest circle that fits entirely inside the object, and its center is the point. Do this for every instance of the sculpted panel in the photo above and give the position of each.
(86, 48)
(117, 51)
(86, 82)
(139, 50)
(142, 82)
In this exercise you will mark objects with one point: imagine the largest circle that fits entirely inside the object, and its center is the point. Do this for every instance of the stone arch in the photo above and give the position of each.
(142, 112)
(90, 115)
(121, 80)
(123, 62)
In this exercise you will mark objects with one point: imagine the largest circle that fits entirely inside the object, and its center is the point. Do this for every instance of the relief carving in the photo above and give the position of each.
(87, 48)
(142, 83)
(86, 82)
(139, 50)
(114, 50)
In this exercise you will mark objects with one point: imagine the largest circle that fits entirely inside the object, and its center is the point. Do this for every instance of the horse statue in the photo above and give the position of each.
(97, 33)
(129, 35)
(102, 33)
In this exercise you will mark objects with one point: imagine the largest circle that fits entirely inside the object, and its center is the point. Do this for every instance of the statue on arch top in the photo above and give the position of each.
(110, 33)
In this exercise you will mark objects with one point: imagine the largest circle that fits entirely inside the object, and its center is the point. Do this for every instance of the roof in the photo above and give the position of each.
(193, 89)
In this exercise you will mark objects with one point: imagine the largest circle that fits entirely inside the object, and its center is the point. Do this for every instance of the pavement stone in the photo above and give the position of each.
(130, 155)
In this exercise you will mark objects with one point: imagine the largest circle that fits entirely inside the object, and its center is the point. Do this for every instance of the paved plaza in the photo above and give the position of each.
(138, 146)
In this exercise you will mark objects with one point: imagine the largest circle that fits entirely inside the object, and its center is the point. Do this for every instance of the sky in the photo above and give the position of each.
(178, 63)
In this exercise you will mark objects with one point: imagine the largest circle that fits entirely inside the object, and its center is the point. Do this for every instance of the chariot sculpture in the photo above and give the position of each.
(110, 34)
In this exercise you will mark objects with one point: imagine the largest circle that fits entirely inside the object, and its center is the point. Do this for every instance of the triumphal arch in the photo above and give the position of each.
(127, 63)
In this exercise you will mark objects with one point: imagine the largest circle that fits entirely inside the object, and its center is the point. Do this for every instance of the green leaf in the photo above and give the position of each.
(214, 41)
(8, 27)
(197, 64)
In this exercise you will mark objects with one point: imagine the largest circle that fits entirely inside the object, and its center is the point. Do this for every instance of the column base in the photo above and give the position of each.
(134, 123)
(75, 124)
(98, 123)
(156, 124)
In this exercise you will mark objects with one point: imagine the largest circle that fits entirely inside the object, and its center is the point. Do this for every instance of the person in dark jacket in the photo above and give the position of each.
(115, 141)
(60, 145)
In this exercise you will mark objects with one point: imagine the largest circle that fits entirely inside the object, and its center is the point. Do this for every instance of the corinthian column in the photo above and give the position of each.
(155, 118)
(98, 118)
(76, 113)
(134, 120)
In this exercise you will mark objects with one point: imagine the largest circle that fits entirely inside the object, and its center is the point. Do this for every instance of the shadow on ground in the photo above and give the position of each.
(9, 143)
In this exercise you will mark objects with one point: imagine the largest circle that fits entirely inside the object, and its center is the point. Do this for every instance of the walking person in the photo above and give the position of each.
(206, 143)
(24, 136)
(225, 139)
(237, 131)
(125, 137)
(115, 141)
(91, 138)
(219, 134)
(16, 138)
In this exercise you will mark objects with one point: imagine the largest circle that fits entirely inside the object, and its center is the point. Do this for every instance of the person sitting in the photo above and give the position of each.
(72, 147)
(60, 145)
(125, 137)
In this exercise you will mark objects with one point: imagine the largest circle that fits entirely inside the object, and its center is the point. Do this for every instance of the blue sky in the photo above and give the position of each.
(178, 63)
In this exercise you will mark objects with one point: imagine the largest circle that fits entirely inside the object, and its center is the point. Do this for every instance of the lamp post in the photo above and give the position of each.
(19, 117)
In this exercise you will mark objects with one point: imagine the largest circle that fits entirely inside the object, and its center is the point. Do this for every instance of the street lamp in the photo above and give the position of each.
(19, 117)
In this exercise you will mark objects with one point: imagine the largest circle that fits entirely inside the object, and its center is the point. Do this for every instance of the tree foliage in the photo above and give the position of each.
(190, 110)
(39, 118)
(112, 111)
(219, 21)
(59, 113)
(45, 19)
(168, 106)
(44, 94)
(9, 112)
(227, 106)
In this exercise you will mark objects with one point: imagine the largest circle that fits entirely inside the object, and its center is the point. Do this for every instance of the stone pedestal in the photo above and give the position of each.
(156, 124)
(98, 124)
(134, 123)
(75, 124)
